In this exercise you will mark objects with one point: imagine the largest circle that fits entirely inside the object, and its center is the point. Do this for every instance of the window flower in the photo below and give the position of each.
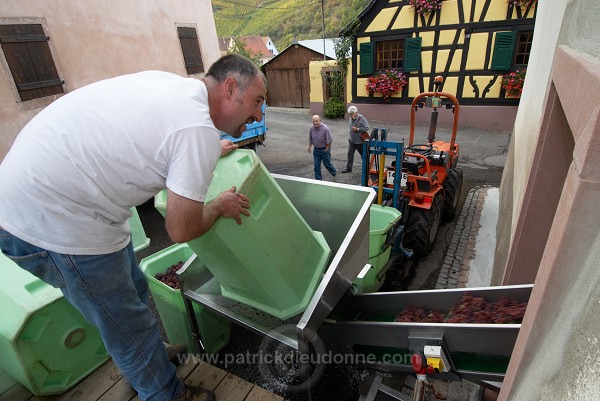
(522, 3)
(387, 83)
(512, 82)
(426, 6)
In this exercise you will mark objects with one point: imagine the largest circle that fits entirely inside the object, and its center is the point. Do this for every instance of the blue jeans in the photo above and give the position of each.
(324, 156)
(111, 292)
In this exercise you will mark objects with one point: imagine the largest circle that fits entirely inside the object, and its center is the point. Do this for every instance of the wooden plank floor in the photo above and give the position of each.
(108, 384)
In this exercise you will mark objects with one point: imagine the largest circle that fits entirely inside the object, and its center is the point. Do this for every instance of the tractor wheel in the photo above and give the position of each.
(422, 227)
(452, 186)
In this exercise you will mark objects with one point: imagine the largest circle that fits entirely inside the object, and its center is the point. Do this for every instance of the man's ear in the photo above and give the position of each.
(230, 85)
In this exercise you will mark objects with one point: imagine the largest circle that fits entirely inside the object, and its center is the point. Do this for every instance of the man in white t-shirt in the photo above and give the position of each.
(77, 168)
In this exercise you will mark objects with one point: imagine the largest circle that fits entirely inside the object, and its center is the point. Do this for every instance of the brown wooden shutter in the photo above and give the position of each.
(191, 50)
(30, 61)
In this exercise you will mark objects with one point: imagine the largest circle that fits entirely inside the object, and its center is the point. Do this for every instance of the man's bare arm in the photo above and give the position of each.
(187, 219)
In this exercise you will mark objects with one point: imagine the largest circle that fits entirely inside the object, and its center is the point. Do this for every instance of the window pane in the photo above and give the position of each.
(390, 54)
(523, 47)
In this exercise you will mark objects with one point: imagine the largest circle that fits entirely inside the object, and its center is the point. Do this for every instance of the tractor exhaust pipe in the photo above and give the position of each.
(432, 125)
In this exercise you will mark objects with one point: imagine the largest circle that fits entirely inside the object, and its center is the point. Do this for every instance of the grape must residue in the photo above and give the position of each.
(470, 309)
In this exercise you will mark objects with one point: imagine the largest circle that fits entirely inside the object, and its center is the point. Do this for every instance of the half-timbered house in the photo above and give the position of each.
(470, 43)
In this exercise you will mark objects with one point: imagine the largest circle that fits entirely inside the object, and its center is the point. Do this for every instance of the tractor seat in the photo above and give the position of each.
(412, 164)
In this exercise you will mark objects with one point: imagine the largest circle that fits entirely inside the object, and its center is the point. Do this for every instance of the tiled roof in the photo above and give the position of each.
(256, 45)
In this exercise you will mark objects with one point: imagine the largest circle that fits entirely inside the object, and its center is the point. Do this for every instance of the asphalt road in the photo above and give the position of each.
(482, 156)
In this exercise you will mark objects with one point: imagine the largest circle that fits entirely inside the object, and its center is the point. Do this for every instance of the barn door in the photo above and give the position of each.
(289, 87)
(303, 91)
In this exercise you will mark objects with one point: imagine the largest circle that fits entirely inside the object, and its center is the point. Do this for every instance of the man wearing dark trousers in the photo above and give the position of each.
(358, 126)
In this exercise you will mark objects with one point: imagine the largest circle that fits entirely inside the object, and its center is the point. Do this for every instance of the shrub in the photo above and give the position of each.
(334, 109)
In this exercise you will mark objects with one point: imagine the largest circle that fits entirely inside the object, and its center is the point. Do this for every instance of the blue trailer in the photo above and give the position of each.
(253, 136)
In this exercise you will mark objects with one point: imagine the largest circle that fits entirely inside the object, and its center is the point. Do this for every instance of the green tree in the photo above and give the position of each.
(343, 45)
(239, 47)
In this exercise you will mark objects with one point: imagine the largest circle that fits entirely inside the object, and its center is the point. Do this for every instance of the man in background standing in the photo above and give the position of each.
(319, 136)
(358, 127)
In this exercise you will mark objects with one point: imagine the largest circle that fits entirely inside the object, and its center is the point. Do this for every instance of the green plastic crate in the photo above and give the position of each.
(45, 343)
(138, 235)
(274, 261)
(160, 202)
(382, 220)
(6, 382)
(171, 308)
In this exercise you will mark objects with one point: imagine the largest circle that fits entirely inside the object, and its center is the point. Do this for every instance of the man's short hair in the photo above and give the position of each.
(234, 65)
(352, 109)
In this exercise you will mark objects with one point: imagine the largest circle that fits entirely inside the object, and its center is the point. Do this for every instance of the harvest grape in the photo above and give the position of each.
(169, 277)
(470, 309)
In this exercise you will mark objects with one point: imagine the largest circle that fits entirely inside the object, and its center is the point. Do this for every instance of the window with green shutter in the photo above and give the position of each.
(30, 61)
(191, 49)
(503, 50)
(366, 58)
(412, 54)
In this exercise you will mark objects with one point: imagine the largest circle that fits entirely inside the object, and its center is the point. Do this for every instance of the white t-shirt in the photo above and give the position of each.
(73, 173)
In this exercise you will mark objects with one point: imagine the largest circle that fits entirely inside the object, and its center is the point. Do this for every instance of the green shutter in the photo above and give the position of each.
(503, 50)
(412, 54)
(366, 58)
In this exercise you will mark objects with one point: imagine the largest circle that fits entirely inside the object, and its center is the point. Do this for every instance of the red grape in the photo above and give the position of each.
(470, 309)
(170, 277)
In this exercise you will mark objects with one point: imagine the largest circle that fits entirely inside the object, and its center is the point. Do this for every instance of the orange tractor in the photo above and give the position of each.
(427, 186)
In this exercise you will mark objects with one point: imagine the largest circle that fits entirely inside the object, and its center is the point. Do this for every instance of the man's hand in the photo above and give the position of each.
(227, 147)
(233, 205)
(355, 129)
(187, 219)
(309, 148)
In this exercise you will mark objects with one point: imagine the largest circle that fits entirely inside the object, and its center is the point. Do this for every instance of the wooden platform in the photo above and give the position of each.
(107, 384)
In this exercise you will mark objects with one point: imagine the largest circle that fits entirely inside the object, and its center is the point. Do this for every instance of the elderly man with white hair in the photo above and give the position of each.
(358, 126)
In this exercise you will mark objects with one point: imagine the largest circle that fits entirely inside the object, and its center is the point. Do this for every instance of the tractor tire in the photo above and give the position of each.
(452, 187)
(422, 227)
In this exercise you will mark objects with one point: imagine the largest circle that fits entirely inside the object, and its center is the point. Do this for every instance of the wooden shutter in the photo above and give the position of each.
(366, 58)
(191, 49)
(503, 50)
(29, 59)
(412, 54)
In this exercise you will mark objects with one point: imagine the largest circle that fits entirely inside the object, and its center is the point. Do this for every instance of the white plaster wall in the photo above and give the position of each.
(529, 116)
(562, 352)
(93, 40)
